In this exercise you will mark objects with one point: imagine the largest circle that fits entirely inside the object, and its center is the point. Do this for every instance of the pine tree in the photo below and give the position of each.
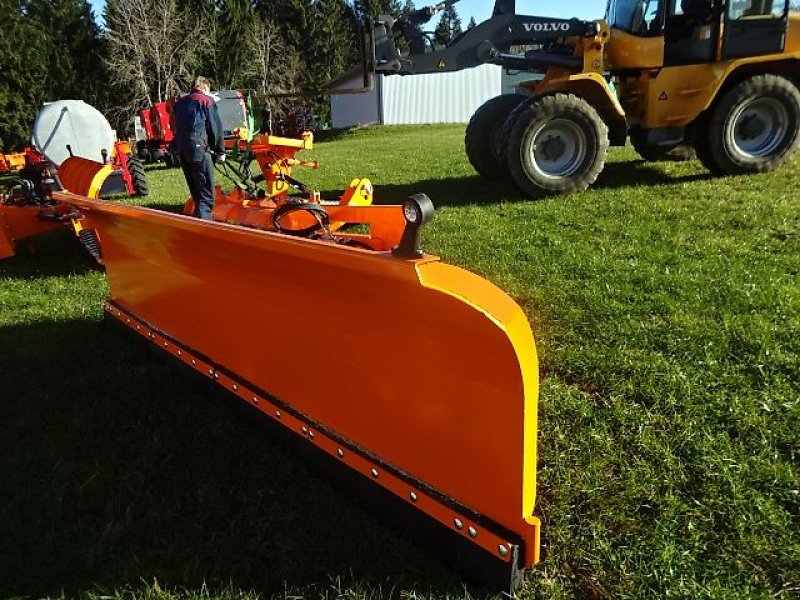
(235, 19)
(471, 23)
(292, 17)
(22, 60)
(332, 41)
(369, 9)
(448, 28)
(73, 48)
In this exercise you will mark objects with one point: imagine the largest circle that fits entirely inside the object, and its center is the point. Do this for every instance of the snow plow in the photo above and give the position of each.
(438, 415)
(412, 383)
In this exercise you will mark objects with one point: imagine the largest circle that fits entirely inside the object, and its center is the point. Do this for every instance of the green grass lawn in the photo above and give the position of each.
(666, 309)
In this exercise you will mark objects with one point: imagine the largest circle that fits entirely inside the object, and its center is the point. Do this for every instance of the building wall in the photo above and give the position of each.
(438, 97)
(423, 99)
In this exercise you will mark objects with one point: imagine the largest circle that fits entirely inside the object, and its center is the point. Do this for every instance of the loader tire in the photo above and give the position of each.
(483, 133)
(754, 128)
(652, 153)
(138, 177)
(501, 147)
(557, 144)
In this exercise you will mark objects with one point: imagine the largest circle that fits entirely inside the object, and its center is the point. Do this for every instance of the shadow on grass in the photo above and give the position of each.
(55, 253)
(117, 471)
(165, 206)
(474, 189)
(331, 135)
(635, 173)
(456, 191)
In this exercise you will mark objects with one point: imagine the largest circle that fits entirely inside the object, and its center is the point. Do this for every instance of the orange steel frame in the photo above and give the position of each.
(18, 223)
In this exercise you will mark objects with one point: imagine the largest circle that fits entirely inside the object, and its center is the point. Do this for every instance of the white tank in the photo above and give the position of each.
(71, 122)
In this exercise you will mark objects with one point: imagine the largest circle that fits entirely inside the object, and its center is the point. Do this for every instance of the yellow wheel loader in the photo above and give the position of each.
(715, 78)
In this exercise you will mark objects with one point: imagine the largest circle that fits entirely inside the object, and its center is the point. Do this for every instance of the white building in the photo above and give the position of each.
(422, 99)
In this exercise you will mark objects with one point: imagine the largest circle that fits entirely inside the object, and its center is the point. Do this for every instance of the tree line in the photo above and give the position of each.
(149, 50)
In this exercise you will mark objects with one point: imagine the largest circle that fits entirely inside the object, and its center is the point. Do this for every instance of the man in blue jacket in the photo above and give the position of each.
(200, 142)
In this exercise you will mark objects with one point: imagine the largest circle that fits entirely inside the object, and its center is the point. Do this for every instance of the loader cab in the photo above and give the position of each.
(685, 32)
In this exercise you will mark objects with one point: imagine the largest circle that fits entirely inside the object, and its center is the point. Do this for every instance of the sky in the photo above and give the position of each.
(482, 9)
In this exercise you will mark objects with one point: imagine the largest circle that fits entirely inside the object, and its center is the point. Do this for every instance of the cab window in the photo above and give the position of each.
(639, 17)
(742, 9)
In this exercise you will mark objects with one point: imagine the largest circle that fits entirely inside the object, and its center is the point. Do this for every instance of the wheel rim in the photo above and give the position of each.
(759, 127)
(558, 148)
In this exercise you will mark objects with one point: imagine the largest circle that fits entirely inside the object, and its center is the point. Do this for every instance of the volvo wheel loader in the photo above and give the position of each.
(718, 78)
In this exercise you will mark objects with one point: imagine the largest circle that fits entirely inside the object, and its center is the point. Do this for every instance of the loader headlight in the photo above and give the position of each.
(417, 210)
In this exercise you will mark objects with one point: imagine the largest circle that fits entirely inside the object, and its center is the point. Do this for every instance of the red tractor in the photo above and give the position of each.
(157, 124)
(157, 134)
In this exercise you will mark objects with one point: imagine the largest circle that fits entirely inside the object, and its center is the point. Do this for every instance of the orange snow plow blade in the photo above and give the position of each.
(415, 377)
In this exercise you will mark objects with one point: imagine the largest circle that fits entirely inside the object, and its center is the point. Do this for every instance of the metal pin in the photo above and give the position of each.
(255, 400)
(194, 362)
(216, 375)
(311, 434)
(165, 344)
(211, 371)
(235, 387)
(472, 532)
(503, 550)
(458, 524)
(339, 452)
(413, 496)
(278, 414)
(305, 430)
(374, 472)
(180, 353)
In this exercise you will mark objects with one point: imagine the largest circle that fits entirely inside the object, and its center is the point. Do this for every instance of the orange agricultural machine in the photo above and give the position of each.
(27, 208)
(11, 162)
(422, 395)
(75, 149)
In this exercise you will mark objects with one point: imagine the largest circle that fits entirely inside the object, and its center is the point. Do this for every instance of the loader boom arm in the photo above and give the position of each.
(488, 42)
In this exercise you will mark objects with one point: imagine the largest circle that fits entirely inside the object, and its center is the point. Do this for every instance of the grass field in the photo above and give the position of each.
(666, 308)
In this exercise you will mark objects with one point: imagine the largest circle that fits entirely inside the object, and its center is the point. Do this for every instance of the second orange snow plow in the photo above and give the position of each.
(409, 377)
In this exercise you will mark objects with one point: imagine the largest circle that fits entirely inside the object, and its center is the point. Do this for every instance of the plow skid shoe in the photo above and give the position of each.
(411, 378)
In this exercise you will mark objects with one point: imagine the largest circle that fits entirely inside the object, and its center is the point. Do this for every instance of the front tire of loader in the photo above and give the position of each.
(483, 134)
(138, 177)
(557, 144)
(754, 128)
(651, 153)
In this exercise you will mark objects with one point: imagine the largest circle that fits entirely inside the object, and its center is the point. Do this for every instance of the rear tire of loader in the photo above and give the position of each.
(755, 127)
(138, 177)
(483, 134)
(651, 153)
(558, 144)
